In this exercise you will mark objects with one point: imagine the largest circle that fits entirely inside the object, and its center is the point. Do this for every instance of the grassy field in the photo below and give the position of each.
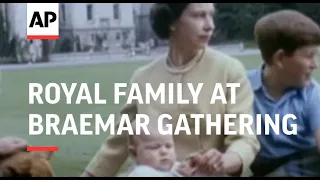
(74, 151)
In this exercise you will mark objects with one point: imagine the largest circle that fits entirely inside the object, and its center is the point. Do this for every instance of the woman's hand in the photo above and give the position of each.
(186, 169)
(230, 163)
(206, 160)
(213, 162)
(11, 145)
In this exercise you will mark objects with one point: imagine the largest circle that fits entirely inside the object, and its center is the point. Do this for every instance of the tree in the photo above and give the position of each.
(45, 50)
(5, 49)
(235, 21)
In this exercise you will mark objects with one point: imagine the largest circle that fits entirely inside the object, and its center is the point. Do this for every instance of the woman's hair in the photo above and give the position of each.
(163, 15)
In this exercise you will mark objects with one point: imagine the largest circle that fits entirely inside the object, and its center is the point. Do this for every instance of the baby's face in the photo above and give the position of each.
(156, 151)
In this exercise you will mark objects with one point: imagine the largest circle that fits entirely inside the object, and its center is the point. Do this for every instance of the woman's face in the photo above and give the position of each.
(195, 25)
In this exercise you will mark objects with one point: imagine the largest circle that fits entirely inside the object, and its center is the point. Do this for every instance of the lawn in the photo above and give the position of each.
(74, 151)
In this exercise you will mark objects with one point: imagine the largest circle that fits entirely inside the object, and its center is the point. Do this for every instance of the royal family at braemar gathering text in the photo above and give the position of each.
(288, 42)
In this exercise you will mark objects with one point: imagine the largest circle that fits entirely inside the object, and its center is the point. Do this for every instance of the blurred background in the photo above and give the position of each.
(101, 43)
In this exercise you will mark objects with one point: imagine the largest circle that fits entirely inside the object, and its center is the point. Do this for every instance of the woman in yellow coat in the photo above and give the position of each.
(188, 27)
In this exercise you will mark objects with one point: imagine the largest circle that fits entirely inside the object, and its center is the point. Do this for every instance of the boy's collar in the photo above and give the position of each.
(257, 79)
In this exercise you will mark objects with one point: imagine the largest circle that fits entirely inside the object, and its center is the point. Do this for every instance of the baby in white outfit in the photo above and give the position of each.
(155, 156)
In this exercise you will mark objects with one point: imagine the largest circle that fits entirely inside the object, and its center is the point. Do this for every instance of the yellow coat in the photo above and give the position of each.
(213, 67)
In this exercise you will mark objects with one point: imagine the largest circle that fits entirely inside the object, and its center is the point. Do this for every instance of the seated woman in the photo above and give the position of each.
(188, 27)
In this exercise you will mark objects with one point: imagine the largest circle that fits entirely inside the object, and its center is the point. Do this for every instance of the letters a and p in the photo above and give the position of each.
(43, 21)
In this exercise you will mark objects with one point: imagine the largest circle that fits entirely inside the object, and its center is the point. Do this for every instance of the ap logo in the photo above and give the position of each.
(43, 21)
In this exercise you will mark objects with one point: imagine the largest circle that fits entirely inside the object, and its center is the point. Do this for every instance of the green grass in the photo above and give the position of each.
(250, 44)
(74, 151)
